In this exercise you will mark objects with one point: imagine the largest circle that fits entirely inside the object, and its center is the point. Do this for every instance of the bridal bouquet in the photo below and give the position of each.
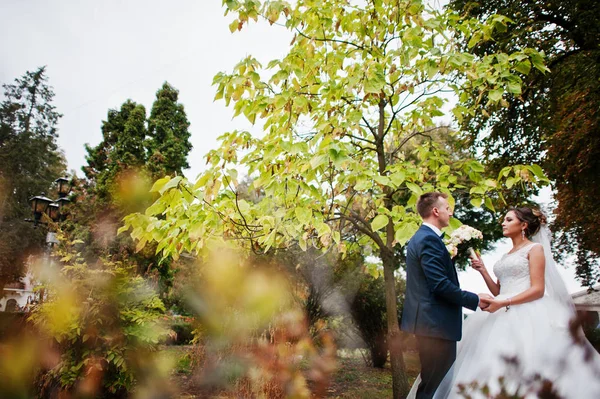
(463, 242)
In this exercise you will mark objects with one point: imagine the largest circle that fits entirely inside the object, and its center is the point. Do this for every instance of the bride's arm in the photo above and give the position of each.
(478, 265)
(537, 266)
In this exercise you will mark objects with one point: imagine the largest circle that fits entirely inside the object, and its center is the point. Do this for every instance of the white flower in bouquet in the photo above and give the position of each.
(461, 235)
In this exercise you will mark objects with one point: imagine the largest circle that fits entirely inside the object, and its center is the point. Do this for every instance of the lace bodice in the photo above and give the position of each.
(512, 271)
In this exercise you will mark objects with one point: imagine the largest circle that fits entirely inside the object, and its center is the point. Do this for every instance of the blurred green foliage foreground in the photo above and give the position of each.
(98, 333)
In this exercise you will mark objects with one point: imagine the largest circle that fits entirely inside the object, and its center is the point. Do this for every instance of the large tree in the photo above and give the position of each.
(30, 161)
(555, 120)
(153, 146)
(119, 171)
(122, 148)
(168, 130)
(358, 83)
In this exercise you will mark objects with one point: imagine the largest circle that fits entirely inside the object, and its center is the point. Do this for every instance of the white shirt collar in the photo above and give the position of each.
(432, 227)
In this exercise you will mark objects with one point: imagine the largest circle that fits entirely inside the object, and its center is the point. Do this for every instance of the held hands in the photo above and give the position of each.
(484, 301)
(490, 304)
(495, 305)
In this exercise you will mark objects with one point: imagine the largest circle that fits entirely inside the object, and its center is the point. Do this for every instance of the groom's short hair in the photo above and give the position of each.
(427, 202)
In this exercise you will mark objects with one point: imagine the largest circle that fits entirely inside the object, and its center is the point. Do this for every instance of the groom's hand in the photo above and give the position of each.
(485, 300)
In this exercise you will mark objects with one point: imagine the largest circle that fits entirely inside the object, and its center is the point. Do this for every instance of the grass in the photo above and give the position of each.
(353, 379)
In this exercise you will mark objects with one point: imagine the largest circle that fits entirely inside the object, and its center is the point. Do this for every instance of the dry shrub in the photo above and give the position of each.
(256, 341)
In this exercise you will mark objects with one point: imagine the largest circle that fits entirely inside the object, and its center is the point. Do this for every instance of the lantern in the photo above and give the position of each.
(39, 205)
(53, 211)
(64, 186)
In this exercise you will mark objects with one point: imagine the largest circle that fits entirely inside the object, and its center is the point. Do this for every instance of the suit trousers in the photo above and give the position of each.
(437, 356)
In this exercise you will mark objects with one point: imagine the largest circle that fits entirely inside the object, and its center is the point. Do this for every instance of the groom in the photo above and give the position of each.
(434, 300)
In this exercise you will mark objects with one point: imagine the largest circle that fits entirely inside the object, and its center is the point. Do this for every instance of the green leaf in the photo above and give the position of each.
(318, 160)
(489, 204)
(201, 182)
(303, 215)
(379, 222)
(363, 184)
(233, 26)
(302, 243)
(375, 82)
(159, 184)
(455, 223)
(473, 41)
(414, 188)
(537, 171)
(322, 228)
(232, 173)
(538, 62)
(383, 180)
(244, 206)
(504, 172)
(337, 237)
(476, 202)
(373, 270)
(432, 69)
(404, 232)
(477, 167)
(398, 178)
(496, 94)
(523, 67)
(477, 190)
(140, 245)
(514, 87)
(156, 209)
(511, 181)
(170, 184)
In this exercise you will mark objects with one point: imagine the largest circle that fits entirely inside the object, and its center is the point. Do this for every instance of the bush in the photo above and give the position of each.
(369, 313)
(106, 323)
(183, 330)
(256, 340)
(12, 324)
(364, 290)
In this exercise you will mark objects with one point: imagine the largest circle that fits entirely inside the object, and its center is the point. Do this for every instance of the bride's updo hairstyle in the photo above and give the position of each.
(533, 217)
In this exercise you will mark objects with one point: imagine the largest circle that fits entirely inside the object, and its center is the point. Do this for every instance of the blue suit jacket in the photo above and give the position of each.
(433, 302)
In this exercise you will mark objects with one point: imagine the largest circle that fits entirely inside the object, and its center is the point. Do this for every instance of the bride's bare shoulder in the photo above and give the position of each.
(535, 250)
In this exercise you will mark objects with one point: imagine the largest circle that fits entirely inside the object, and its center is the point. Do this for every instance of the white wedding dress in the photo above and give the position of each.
(518, 349)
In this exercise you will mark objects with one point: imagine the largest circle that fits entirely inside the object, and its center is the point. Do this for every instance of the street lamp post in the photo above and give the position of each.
(54, 210)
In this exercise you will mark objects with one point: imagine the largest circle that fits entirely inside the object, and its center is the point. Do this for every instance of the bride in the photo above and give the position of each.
(523, 344)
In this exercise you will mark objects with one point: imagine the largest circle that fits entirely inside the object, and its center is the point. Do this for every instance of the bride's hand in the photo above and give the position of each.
(477, 264)
(495, 305)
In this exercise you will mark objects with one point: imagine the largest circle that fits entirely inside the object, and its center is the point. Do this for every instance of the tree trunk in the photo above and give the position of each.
(399, 377)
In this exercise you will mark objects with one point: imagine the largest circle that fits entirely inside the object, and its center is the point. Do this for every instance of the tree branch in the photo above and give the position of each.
(367, 231)
(410, 136)
(328, 40)
(359, 138)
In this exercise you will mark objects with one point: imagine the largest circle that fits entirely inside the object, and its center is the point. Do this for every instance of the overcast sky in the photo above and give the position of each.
(100, 53)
